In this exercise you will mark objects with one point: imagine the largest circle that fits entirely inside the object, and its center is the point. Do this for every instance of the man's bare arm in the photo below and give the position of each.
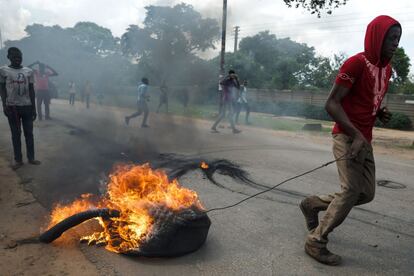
(334, 108)
(32, 100)
(3, 94)
(33, 64)
(53, 71)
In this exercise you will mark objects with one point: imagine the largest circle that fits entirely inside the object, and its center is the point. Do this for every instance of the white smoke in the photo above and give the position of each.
(13, 19)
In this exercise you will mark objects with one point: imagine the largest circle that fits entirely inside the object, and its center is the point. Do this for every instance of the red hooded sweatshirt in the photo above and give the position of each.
(367, 77)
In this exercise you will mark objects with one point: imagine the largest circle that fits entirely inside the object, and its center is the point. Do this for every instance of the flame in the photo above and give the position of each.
(204, 165)
(60, 211)
(134, 191)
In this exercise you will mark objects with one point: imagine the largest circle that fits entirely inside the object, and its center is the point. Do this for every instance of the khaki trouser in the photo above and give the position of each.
(357, 178)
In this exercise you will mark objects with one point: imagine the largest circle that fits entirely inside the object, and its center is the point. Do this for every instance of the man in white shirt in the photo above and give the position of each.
(18, 98)
(142, 106)
(243, 103)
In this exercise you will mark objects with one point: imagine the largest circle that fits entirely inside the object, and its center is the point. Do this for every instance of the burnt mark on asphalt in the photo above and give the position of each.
(391, 184)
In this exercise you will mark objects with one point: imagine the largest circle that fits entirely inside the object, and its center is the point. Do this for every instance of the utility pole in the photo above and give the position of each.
(223, 37)
(236, 37)
(1, 40)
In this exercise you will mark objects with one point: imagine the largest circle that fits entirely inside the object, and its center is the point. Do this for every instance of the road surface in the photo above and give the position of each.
(263, 236)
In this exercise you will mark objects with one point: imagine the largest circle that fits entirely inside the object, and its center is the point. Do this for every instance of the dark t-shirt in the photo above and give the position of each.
(230, 87)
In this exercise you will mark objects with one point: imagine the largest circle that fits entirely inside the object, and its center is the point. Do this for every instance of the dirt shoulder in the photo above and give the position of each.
(393, 142)
(397, 143)
(21, 218)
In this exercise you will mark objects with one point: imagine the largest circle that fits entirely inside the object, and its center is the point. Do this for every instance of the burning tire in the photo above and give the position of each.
(154, 217)
(177, 234)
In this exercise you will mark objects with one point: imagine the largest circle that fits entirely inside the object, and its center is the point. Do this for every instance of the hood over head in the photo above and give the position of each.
(374, 37)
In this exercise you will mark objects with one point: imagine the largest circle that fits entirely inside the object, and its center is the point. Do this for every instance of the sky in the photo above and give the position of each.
(341, 32)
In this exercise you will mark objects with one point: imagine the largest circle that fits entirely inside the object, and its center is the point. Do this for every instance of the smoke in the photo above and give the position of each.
(13, 19)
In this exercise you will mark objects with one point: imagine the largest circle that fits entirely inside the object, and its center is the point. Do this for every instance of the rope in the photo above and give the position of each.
(342, 158)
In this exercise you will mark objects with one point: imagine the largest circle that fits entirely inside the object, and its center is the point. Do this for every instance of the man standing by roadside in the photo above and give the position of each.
(163, 96)
(354, 103)
(43, 95)
(18, 98)
(87, 91)
(72, 92)
(229, 96)
(143, 97)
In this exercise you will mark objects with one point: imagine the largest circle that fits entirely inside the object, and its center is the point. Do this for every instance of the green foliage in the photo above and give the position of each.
(245, 66)
(94, 37)
(401, 65)
(169, 39)
(322, 71)
(295, 109)
(398, 121)
(276, 62)
(316, 6)
(164, 48)
(77, 54)
(406, 88)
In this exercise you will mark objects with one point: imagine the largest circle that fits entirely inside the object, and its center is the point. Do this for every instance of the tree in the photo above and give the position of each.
(401, 65)
(321, 72)
(169, 36)
(316, 6)
(406, 88)
(245, 66)
(280, 60)
(84, 52)
(96, 38)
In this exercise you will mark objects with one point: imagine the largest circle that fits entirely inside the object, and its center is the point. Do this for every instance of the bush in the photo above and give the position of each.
(295, 109)
(398, 121)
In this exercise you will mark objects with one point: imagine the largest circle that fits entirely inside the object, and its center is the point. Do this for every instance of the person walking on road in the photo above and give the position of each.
(354, 103)
(142, 105)
(18, 98)
(229, 96)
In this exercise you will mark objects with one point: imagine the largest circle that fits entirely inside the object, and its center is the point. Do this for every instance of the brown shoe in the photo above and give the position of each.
(310, 208)
(322, 255)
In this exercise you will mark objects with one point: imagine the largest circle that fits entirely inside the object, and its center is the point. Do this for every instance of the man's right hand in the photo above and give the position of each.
(6, 110)
(357, 144)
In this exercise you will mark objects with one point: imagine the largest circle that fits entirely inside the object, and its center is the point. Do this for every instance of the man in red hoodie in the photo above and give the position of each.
(354, 103)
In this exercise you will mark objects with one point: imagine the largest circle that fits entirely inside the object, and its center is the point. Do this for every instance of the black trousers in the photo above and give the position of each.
(71, 98)
(87, 99)
(21, 116)
(43, 96)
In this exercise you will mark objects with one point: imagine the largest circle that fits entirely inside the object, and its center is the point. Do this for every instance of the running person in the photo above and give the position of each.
(229, 96)
(142, 105)
(354, 103)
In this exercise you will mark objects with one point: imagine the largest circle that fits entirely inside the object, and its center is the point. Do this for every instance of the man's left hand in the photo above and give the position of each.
(384, 115)
(34, 115)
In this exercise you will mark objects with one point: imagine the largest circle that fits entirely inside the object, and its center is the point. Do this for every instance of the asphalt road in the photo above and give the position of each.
(263, 236)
